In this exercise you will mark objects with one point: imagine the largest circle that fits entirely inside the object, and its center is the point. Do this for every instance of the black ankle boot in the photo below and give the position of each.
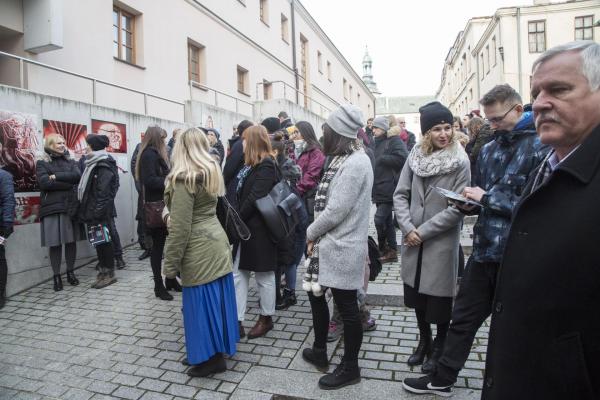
(58, 286)
(422, 351)
(172, 284)
(72, 279)
(317, 357)
(430, 365)
(160, 291)
(345, 374)
(2, 299)
(288, 299)
(144, 255)
(119, 262)
(214, 365)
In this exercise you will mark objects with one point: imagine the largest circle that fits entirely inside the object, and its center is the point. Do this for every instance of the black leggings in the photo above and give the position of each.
(56, 257)
(425, 327)
(106, 256)
(159, 237)
(347, 304)
(3, 271)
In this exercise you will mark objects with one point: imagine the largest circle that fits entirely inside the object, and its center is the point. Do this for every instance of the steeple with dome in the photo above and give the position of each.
(367, 74)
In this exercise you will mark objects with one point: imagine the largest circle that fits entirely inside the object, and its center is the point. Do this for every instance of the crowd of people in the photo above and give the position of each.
(529, 172)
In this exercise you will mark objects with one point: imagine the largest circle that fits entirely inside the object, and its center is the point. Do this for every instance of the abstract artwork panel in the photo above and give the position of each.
(116, 133)
(18, 146)
(74, 135)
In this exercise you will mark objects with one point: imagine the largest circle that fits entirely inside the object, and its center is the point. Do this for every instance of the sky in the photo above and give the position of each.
(407, 39)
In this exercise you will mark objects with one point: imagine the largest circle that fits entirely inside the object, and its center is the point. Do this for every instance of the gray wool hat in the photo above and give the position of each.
(346, 120)
(381, 123)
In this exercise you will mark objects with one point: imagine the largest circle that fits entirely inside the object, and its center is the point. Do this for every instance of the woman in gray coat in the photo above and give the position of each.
(431, 228)
(337, 243)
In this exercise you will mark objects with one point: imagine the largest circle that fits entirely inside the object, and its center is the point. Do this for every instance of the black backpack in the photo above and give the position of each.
(374, 254)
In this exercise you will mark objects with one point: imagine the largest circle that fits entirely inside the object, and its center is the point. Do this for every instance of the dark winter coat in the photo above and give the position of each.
(311, 163)
(54, 194)
(390, 155)
(260, 252)
(503, 168)
(98, 203)
(545, 333)
(286, 123)
(7, 200)
(153, 170)
(233, 165)
(221, 150)
(134, 158)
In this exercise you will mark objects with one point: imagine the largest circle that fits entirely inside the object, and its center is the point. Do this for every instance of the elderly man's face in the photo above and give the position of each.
(565, 108)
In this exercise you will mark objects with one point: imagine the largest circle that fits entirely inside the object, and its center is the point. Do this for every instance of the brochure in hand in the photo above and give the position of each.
(456, 198)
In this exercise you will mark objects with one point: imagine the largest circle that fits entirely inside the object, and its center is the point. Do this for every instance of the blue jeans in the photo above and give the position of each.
(299, 249)
(384, 223)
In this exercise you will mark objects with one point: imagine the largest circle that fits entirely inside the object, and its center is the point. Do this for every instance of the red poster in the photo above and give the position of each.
(116, 135)
(18, 146)
(74, 135)
(27, 210)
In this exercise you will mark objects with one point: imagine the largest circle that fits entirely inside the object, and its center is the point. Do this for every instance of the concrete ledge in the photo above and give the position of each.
(385, 294)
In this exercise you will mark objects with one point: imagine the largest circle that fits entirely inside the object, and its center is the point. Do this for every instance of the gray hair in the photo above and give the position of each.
(590, 59)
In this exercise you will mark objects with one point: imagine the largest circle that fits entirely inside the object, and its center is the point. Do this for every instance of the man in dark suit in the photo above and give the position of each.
(545, 334)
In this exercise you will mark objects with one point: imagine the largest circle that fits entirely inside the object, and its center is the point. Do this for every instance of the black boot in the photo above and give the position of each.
(119, 262)
(422, 351)
(2, 298)
(72, 279)
(144, 255)
(345, 374)
(288, 299)
(317, 357)
(58, 286)
(172, 284)
(430, 366)
(160, 291)
(214, 365)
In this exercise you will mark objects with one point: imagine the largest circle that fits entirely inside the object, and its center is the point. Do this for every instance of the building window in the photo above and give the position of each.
(264, 11)
(487, 58)
(469, 59)
(350, 93)
(481, 66)
(358, 98)
(329, 71)
(584, 28)
(494, 59)
(123, 35)
(242, 80)
(345, 88)
(320, 61)
(195, 62)
(537, 36)
(285, 29)
(267, 90)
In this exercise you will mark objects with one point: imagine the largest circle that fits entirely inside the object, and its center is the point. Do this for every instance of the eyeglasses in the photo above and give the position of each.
(497, 120)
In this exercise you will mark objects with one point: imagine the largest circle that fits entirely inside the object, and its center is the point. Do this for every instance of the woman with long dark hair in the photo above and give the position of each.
(152, 168)
(337, 243)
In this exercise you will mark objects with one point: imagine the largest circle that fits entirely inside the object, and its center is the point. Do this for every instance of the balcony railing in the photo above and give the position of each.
(281, 89)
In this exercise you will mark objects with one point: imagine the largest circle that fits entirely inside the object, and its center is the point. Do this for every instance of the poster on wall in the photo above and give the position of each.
(116, 133)
(27, 210)
(18, 146)
(74, 135)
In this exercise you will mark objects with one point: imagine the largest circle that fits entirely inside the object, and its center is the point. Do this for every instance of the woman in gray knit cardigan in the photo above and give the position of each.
(337, 243)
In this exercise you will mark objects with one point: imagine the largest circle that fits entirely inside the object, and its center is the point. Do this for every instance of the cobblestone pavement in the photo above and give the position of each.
(122, 342)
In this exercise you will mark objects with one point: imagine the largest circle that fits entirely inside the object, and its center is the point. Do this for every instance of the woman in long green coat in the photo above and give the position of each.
(198, 249)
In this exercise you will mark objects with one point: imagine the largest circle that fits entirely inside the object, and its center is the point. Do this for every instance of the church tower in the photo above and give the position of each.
(367, 74)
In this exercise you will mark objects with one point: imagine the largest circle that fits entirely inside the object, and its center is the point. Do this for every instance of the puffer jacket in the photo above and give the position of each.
(311, 163)
(54, 194)
(390, 155)
(503, 168)
(98, 203)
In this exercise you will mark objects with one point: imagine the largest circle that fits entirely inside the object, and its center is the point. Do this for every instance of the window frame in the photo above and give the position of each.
(320, 62)
(536, 33)
(584, 27)
(263, 11)
(120, 45)
(243, 73)
(200, 62)
(329, 71)
(285, 30)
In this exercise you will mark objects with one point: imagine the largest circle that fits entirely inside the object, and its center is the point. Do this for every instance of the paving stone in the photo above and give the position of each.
(156, 396)
(102, 387)
(77, 394)
(153, 384)
(209, 395)
(181, 390)
(128, 393)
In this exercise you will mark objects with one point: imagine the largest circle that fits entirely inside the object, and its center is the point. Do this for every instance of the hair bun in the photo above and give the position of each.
(278, 136)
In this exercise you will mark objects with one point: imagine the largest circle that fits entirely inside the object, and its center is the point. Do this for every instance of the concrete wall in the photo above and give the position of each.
(28, 262)
(264, 109)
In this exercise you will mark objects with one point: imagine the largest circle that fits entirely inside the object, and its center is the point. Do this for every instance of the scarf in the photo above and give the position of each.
(310, 281)
(241, 177)
(439, 162)
(90, 163)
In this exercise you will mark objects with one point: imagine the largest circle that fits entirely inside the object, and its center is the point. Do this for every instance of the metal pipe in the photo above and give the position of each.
(294, 63)
(93, 91)
(519, 56)
(21, 75)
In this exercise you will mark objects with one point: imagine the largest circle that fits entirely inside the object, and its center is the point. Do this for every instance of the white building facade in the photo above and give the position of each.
(502, 48)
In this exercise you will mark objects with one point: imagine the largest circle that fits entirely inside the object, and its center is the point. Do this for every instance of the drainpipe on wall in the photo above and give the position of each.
(519, 56)
(294, 65)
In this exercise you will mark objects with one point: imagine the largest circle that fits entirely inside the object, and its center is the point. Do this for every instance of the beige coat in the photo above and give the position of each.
(419, 206)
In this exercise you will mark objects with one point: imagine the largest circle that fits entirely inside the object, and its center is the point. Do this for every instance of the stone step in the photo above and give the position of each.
(294, 384)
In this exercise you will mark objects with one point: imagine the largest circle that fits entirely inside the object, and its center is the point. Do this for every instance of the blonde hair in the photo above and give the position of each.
(427, 144)
(193, 164)
(51, 139)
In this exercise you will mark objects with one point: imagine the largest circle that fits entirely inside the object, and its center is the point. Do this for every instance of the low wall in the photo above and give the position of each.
(270, 108)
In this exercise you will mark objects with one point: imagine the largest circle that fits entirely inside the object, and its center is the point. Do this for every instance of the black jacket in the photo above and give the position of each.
(54, 194)
(390, 155)
(233, 165)
(545, 334)
(260, 252)
(7, 202)
(153, 170)
(221, 150)
(134, 158)
(98, 203)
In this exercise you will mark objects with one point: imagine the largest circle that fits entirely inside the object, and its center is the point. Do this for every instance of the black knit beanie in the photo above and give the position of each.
(272, 124)
(97, 142)
(433, 114)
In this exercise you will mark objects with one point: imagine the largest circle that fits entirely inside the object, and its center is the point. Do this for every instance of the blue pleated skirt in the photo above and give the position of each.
(210, 319)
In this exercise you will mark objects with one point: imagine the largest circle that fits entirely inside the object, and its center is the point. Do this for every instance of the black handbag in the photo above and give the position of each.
(375, 265)
(280, 210)
(231, 221)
